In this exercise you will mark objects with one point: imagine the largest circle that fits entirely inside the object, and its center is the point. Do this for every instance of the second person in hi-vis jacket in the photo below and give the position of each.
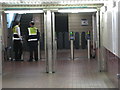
(33, 38)
(17, 41)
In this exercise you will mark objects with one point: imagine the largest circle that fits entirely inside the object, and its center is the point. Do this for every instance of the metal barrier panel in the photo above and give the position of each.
(66, 40)
(42, 46)
(60, 40)
(83, 40)
(72, 49)
(42, 41)
(77, 40)
(88, 45)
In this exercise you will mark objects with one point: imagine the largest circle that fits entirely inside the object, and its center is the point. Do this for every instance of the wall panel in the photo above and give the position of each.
(74, 21)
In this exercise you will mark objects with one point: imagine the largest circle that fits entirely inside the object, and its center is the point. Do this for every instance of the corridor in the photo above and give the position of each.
(76, 44)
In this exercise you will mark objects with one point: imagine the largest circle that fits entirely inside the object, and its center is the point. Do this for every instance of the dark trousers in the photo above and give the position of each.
(33, 48)
(17, 45)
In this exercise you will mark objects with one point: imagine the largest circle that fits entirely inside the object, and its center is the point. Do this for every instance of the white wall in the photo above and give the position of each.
(118, 28)
(110, 29)
(115, 30)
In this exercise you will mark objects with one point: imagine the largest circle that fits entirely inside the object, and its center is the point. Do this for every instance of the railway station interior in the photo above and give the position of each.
(79, 45)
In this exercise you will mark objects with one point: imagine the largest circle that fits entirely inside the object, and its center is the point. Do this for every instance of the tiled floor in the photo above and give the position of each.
(80, 73)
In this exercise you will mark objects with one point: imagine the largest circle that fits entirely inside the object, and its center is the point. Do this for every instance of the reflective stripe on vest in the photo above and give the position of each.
(32, 31)
(17, 38)
(32, 39)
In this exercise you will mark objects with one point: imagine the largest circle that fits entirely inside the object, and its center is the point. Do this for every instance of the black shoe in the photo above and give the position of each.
(30, 60)
(19, 60)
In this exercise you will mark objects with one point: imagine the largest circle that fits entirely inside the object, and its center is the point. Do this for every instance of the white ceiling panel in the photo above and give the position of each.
(51, 3)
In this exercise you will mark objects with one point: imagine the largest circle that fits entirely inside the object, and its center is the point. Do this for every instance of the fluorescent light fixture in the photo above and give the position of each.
(24, 11)
(83, 2)
(21, 1)
(9, 1)
(76, 10)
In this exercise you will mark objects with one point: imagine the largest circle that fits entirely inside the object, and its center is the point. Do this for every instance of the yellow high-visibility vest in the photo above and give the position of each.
(15, 29)
(32, 31)
(16, 33)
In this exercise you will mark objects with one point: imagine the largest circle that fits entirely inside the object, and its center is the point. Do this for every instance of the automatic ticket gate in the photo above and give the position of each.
(72, 38)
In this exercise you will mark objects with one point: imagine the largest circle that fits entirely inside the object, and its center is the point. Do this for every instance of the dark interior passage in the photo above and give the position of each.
(61, 22)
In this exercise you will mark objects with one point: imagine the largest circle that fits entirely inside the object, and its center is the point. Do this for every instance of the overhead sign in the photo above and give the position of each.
(84, 22)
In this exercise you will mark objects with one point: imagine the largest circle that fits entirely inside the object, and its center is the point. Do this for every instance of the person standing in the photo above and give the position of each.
(17, 41)
(33, 38)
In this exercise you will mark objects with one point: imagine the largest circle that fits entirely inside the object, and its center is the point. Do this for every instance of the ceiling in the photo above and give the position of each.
(50, 4)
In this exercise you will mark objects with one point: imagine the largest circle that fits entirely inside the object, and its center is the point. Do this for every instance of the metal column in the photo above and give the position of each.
(102, 51)
(1, 47)
(98, 40)
(54, 42)
(45, 35)
(94, 30)
(50, 44)
(45, 41)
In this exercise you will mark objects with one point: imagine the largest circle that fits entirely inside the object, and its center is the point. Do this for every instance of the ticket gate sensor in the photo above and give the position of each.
(72, 38)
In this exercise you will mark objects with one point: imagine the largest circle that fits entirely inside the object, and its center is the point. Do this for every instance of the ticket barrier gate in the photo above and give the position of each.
(72, 38)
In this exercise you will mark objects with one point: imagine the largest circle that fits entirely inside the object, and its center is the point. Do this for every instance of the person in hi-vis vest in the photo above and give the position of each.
(33, 38)
(17, 41)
